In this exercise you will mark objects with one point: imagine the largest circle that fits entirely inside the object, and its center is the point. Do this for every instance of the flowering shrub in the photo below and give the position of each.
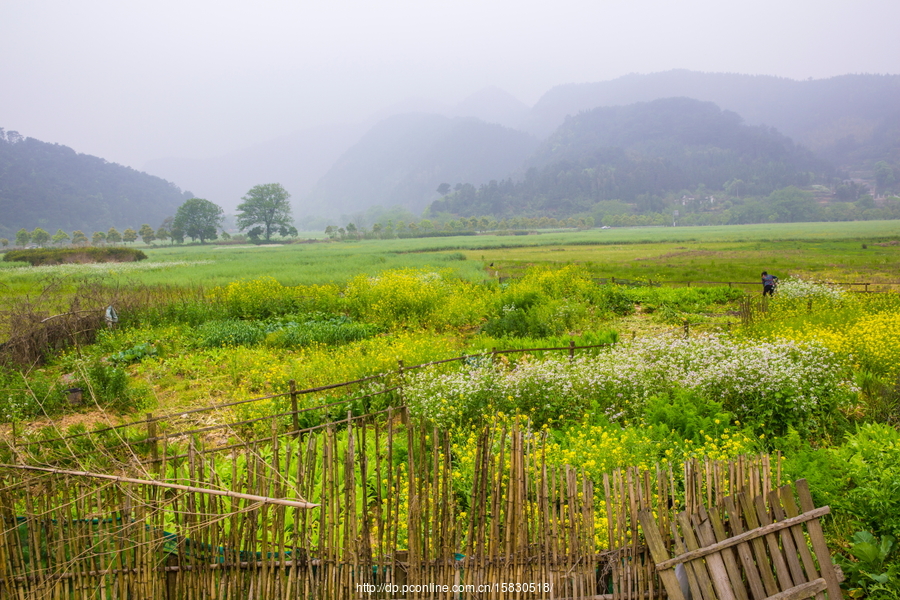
(772, 385)
(258, 298)
(411, 297)
(794, 288)
(873, 340)
(547, 302)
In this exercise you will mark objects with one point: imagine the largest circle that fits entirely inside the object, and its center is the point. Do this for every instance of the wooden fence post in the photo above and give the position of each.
(400, 378)
(151, 435)
(295, 419)
(172, 577)
(687, 328)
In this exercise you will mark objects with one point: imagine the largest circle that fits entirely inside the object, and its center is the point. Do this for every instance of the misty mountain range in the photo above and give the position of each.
(399, 157)
(850, 122)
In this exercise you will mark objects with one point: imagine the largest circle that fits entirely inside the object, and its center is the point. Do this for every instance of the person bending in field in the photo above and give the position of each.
(769, 282)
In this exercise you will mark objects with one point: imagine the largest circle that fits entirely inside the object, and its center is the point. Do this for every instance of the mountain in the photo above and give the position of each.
(53, 187)
(296, 161)
(493, 105)
(638, 154)
(300, 159)
(403, 159)
(850, 120)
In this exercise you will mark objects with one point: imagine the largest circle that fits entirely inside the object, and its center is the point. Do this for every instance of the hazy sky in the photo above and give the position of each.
(134, 80)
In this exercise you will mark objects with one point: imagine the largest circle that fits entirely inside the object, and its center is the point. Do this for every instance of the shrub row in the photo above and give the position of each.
(56, 256)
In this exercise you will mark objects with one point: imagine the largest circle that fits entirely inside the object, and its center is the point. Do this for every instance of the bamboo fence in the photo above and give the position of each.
(382, 508)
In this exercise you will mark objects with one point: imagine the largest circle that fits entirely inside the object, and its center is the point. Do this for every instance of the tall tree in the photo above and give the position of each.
(113, 236)
(98, 238)
(129, 235)
(39, 236)
(60, 236)
(147, 233)
(266, 207)
(78, 238)
(22, 237)
(198, 219)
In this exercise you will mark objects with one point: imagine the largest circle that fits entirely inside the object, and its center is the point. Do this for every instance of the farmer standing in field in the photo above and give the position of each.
(769, 282)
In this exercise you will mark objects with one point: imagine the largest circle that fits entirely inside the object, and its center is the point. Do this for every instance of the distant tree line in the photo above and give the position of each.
(265, 210)
(463, 226)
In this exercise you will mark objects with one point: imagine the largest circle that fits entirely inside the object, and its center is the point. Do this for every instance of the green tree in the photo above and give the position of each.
(22, 237)
(129, 235)
(113, 236)
(98, 238)
(60, 236)
(266, 208)
(147, 233)
(162, 234)
(4, 242)
(78, 238)
(39, 236)
(198, 219)
(884, 176)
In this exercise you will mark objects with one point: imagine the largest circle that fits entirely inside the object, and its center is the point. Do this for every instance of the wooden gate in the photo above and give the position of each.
(743, 549)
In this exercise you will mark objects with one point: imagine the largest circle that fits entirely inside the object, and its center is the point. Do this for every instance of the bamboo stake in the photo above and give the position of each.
(172, 486)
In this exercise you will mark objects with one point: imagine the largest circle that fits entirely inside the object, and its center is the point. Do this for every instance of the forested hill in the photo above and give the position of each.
(638, 154)
(852, 121)
(52, 187)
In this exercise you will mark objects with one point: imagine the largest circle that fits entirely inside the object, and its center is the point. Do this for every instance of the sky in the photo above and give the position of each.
(136, 80)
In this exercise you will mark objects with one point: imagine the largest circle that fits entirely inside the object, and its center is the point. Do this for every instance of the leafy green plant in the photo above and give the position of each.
(686, 414)
(871, 574)
(110, 387)
(336, 330)
(27, 395)
(230, 332)
(136, 353)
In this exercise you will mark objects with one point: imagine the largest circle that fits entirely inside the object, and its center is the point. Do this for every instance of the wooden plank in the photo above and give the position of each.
(660, 553)
(754, 533)
(708, 532)
(698, 566)
(791, 510)
(802, 591)
(743, 550)
(818, 541)
(787, 540)
(781, 568)
(759, 549)
(718, 573)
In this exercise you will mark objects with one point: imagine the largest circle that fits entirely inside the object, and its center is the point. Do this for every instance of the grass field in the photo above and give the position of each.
(813, 374)
(832, 251)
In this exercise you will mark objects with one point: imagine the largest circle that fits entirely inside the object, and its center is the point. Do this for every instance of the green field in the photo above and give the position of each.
(686, 372)
(830, 251)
